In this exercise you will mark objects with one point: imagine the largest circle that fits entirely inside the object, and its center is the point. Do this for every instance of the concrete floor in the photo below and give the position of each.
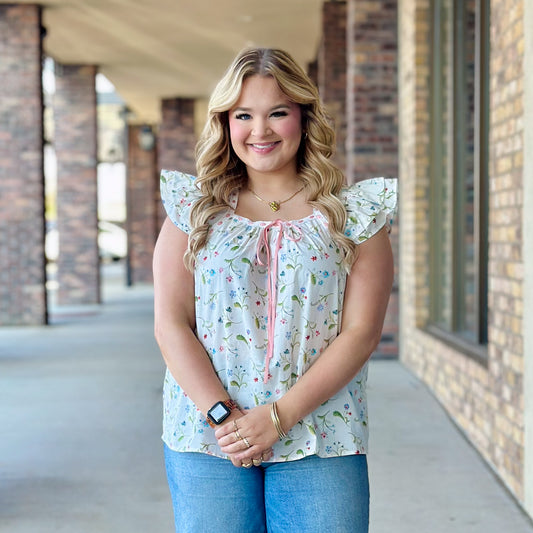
(80, 450)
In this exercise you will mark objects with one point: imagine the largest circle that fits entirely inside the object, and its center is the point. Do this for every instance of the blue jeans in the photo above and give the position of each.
(310, 495)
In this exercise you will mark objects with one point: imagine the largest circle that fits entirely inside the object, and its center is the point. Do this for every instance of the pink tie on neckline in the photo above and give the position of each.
(272, 269)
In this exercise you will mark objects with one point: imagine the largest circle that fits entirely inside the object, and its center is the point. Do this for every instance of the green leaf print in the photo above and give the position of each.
(246, 260)
(235, 384)
(242, 338)
(313, 279)
(340, 415)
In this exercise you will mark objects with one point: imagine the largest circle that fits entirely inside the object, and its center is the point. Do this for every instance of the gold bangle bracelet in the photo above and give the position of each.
(275, 420)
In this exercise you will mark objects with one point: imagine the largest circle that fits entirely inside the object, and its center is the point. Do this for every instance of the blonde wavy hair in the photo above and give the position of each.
(220, 171)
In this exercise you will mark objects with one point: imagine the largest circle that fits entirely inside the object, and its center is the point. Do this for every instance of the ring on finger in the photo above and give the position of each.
(247, 465)
(237, 434)
(247, 442)
(257, 462)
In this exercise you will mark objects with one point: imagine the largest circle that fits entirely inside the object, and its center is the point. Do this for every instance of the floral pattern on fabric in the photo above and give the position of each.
(231, 293)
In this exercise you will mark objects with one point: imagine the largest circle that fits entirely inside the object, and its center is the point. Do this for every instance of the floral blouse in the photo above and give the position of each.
(268, 298)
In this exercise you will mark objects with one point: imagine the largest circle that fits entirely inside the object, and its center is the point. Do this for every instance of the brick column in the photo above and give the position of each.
(372, 103)
(176, 138)
(22, 267)
(312, 71)
(143, 183)
(77, 218)
(372, 115)
(331, 73)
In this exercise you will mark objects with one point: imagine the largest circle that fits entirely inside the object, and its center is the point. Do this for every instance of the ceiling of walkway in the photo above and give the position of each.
(153, 49)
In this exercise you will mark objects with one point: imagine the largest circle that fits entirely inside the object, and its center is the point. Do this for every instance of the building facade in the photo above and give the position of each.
(465, 97)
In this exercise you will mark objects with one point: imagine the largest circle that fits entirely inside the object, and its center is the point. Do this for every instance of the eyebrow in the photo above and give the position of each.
(247, 109)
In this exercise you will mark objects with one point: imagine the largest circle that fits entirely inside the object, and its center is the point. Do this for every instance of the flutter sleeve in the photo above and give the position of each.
(178, 194)
(370, 205)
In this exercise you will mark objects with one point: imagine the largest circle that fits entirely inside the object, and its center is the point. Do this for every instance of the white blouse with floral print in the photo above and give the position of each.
(287, 272)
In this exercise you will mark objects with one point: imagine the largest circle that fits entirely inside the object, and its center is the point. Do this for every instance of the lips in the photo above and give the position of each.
(264, 147)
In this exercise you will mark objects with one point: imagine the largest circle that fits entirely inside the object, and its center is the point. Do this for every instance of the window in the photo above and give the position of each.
(459, 176)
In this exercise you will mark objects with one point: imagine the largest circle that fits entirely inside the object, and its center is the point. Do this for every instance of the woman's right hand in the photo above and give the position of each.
(248, 438)
(235, 442)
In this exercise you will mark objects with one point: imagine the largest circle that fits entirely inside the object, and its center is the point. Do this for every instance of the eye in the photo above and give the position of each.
(243, 116)
(277, 114)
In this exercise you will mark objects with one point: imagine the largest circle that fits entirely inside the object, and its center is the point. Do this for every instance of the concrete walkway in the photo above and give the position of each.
(80, 451)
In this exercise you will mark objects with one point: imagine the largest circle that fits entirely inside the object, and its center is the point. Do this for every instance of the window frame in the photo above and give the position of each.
(453, 332)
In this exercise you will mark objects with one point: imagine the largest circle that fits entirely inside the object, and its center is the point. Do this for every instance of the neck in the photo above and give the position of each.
(280, 182)
(272, 187)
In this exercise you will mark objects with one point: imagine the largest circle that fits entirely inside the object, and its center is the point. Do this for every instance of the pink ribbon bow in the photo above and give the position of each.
(272, 270)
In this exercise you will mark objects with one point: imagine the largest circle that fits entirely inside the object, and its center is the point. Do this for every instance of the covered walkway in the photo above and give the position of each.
(80, 449)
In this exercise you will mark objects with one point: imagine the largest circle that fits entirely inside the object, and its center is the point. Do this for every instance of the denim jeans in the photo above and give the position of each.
(310, 495)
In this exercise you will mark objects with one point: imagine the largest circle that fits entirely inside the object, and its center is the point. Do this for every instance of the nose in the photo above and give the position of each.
(261, 128)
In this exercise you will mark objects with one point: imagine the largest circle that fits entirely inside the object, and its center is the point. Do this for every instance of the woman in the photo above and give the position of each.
(271, 286)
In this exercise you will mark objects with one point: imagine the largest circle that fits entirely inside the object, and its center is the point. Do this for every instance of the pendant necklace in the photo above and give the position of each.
(273, 204)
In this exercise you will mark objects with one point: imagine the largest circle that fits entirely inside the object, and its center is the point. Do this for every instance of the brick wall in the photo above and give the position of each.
(505, 239)
(331, 72)
(176, 139)
(22, 268)
(486, 401)
(372, 111)
(372, 107)
(77, 217)
(143, 183)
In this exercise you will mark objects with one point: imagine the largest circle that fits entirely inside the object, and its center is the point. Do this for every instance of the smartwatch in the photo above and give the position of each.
(220, 411)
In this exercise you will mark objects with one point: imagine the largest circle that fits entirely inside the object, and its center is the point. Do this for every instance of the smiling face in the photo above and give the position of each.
(265, 128)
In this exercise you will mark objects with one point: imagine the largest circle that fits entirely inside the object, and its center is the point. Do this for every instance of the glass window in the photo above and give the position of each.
(458, 203)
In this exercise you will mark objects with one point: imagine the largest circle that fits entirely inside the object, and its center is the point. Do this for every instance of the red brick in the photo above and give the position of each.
(75, 143)
(22, 267)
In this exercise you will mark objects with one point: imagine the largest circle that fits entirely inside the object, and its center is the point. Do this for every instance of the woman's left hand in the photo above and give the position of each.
(250, 438)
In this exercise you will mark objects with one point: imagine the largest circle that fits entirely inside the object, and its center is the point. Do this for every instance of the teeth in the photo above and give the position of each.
(263, 146)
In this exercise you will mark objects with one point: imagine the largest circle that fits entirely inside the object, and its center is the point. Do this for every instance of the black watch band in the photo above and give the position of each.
(220, 411)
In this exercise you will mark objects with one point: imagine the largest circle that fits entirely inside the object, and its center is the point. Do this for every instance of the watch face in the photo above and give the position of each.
(218, 413)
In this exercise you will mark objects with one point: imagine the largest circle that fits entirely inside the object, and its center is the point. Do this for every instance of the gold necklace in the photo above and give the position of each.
(273, 204)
